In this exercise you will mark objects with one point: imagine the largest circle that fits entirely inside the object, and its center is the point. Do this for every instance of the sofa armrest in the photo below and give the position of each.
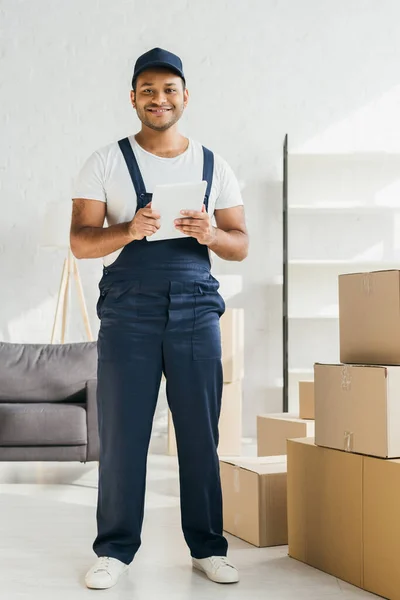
(93, 445)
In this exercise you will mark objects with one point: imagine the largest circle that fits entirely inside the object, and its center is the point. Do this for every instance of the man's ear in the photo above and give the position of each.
(185, 98)
(133, 99)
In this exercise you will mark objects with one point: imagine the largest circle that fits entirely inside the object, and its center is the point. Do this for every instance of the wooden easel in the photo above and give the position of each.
(70, 270)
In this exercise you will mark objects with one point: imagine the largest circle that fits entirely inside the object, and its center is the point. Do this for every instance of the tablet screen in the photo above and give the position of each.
(169, 200)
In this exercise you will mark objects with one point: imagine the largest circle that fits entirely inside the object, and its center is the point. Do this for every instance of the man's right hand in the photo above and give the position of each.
(145, 223)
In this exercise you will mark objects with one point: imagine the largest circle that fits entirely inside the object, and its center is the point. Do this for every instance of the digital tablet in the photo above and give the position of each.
(169, 200)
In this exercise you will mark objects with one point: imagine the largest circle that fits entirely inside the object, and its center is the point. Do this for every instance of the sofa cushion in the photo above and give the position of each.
(45, 372)
(42, 424)
(79, 399)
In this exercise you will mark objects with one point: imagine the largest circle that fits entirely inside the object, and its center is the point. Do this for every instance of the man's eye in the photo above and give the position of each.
(148, 91)
(170, 90)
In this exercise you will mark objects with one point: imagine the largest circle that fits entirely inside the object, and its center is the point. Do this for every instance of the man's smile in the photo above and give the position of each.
(158, 111)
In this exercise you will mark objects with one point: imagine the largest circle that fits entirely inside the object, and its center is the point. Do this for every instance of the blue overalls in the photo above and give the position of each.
(159, 309)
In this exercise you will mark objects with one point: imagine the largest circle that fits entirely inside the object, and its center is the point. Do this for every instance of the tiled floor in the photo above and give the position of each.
(47, 525)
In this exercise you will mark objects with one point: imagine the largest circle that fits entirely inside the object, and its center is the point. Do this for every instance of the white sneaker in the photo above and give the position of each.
(217, 568)
(105, 573)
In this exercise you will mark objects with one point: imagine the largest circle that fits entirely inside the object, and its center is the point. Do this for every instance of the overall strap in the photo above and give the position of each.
(208, 172)
(133, 167)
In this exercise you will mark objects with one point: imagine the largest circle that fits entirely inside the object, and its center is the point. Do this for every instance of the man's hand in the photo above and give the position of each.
(145, 223)
(197, 225)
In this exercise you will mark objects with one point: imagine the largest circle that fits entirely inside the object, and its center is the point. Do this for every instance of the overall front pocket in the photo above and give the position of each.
(117, 298)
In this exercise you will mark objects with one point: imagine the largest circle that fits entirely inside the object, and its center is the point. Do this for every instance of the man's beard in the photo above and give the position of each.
(176, 115)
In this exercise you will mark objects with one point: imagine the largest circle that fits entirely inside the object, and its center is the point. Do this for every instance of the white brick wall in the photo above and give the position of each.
(256, 69)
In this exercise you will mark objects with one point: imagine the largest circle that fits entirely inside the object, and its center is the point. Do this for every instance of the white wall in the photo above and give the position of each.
(325, 72)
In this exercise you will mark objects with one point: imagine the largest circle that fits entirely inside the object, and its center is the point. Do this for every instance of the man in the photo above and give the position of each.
(159, 309)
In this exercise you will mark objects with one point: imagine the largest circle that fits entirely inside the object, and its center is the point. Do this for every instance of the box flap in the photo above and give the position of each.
(356, 365)
(308, 441)
(284, 417)
(263, 465)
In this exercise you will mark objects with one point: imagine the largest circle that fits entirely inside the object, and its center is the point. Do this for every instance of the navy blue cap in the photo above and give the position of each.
(158, 58)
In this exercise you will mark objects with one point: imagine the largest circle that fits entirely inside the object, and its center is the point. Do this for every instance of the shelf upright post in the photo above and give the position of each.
(285, 316)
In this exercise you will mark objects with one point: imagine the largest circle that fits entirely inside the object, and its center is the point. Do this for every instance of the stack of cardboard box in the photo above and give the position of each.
(230, 423)
(344, 489)
(254, 489)
(273, 430)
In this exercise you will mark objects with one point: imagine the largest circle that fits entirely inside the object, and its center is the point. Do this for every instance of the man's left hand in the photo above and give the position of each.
(197, 225)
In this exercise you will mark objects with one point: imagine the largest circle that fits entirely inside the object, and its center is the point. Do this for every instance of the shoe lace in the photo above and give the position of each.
(220, 561)
(103, 564)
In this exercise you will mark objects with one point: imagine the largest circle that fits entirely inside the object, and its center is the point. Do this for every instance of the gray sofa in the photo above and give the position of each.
(48, 409)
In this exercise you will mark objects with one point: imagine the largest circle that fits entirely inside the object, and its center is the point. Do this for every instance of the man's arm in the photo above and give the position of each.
(88, 236)
(90, 239)
(229, 240)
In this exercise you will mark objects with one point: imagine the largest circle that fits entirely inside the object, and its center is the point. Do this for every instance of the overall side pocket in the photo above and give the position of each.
(209, 307)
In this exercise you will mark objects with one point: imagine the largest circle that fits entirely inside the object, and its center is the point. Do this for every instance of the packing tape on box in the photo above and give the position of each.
(236, 480)
(367, 283)
(346, 378)
(348, 441)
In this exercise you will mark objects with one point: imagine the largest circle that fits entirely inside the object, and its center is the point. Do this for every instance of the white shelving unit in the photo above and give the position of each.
(348, 209)
(343, 216)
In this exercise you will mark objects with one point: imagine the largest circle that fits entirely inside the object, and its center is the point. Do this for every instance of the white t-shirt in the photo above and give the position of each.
(105, 177)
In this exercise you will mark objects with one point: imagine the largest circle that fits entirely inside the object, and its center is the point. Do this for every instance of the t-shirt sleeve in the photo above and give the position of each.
(229, 190)
(89, 183)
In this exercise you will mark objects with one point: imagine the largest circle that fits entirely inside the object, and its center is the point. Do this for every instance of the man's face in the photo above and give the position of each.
(159, 99)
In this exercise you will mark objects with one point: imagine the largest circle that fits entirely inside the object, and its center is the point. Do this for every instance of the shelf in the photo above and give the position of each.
(314, 317)
(345, 156)
(349, 209)
(346, 263)
(343, 205)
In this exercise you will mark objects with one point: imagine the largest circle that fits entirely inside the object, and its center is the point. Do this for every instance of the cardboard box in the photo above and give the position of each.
(254, 500)
(369, 318)
(357, 408)
(325, 509)
(343, 515)
(232, 341)
(382, 527)
(306, 399)
(230, 423)
(274, 430)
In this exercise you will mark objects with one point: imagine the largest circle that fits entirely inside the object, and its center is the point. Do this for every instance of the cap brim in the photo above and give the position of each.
(158, 64)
